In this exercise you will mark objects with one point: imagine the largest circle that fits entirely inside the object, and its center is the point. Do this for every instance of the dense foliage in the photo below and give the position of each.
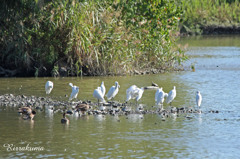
(40, 38)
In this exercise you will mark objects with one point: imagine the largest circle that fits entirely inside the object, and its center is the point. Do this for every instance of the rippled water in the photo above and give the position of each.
(206, 135)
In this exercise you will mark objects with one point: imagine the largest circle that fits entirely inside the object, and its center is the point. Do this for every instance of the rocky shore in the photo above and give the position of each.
(111, 108)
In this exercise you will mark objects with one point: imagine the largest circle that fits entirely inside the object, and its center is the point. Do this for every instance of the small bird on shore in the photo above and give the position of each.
(64, 120)
(48, 87)
(27, 113)
(113, 91)
(75, 91)
(171, 95)
(198, 98)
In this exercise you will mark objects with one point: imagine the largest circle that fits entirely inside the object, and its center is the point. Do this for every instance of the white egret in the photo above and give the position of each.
(130, 92)
(113, 91)
(165, 95)
(48, 87)
(139, 92)
(157, 92)
(198, 99)
(75, 91)
(103, 89)
(134, 92)
(97, 93)
(171, 95)
(160, 98)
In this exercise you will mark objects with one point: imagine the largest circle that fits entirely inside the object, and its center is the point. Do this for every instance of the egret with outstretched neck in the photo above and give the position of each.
(103, 89)
(198, 99)
(113, 91)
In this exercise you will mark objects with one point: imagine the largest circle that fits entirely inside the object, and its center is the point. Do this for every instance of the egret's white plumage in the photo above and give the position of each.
(130, 92)
(160, 97)
(98, 94)
(139, 92)
(198, 98)
(103, 89)
(157, 92)
(113, 91)
(165, 95)
(48, 87)
(75, 91)
(134, 92)
(171, 95)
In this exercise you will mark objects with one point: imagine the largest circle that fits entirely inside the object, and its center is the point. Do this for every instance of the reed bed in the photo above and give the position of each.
(94, 37)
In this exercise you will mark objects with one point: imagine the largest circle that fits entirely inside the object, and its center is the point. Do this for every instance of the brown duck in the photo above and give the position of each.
(27, 112)
(82, 108)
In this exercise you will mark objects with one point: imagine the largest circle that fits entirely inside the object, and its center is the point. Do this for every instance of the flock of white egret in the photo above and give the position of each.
(132, 92)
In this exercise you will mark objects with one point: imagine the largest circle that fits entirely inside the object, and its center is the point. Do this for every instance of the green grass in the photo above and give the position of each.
(203, 14)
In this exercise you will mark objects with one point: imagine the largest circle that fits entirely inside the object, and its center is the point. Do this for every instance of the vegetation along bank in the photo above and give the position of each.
(76, 37)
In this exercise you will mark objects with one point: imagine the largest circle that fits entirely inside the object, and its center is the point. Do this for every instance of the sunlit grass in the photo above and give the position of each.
(202, 14)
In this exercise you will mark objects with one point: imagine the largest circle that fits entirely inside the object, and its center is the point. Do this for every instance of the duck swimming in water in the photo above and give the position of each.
(27, 112)
(64, 120)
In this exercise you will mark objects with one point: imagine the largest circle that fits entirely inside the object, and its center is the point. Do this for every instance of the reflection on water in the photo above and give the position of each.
(206, 135)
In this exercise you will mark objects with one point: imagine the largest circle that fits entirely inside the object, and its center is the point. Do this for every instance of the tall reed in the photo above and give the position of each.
(93, 37)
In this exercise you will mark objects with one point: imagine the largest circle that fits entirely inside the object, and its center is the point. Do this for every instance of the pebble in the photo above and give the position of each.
(40, 103)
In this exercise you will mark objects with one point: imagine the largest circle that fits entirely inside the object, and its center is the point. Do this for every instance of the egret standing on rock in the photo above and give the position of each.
(75, 91)
(198, 99)
(157, 92)
(160, 95)
(130, 93)
(171, 95)
(48, 87)
(103, 89)
(139, 93)
(98, 94)
(134, 92)
(113, 91)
